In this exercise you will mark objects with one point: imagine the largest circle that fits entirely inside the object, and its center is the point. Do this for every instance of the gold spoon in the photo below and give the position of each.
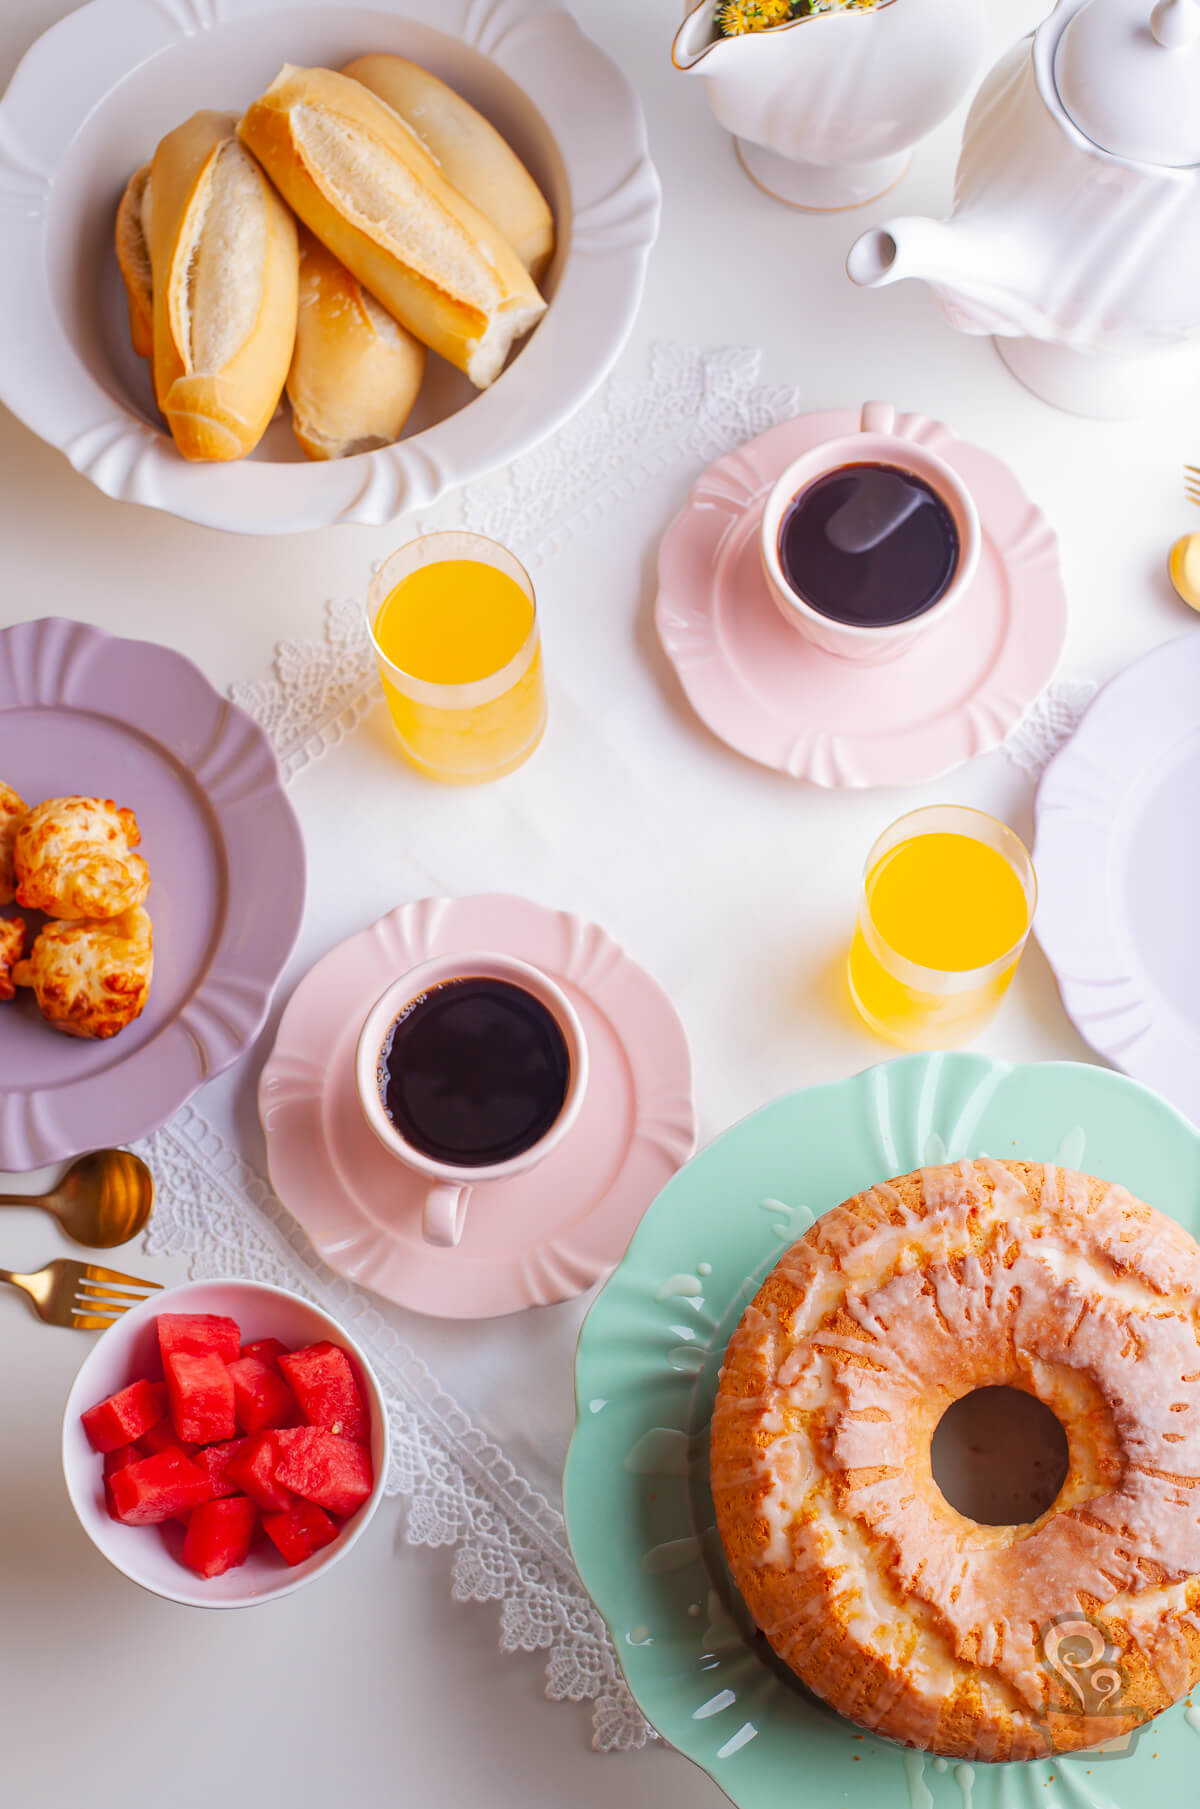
(103, 1199)
(1184, 567)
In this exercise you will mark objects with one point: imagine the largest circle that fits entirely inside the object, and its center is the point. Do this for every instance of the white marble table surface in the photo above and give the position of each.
(374, 1687)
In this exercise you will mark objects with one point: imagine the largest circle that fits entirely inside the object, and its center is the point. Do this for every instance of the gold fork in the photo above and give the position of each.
(1191, 482)
(81, 1295)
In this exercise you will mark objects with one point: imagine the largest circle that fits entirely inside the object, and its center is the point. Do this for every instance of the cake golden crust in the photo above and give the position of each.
(900, 1612)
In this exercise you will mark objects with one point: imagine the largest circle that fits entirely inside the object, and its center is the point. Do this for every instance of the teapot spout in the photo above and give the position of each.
(911, 246)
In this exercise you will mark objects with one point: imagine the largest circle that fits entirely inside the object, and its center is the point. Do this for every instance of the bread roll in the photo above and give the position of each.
(133, 255)
(469, 151)
(355, 371)
(365, 185)
(224, 266)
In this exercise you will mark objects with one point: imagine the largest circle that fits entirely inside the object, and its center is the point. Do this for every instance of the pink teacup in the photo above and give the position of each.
(444, 1213)
(876, 443)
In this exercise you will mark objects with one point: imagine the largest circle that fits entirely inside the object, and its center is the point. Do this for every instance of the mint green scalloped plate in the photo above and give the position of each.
(639, 1513)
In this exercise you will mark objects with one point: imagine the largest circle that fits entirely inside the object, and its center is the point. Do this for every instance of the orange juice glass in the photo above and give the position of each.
(947, 901)
(453, 619)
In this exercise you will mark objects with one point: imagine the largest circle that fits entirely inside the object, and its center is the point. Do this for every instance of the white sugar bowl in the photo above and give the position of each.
(825, 108)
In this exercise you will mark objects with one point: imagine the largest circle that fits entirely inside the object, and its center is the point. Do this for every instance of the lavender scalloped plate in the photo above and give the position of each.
(83, 711)
(1118, 864)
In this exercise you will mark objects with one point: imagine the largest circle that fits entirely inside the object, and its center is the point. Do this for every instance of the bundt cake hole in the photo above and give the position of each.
(999, 1456)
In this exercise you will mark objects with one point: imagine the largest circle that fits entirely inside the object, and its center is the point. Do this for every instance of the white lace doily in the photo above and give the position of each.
(691, 408)
(462, 1491)
(1049, 724)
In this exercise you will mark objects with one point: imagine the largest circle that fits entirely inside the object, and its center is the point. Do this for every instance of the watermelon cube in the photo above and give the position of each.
(114, 1461)
(324, 1385)
(261, 1396)
(162, 1438)
(201, 1392)
(218, 1535)
(157, 1488)
(253, 1469)
(215, 1460)
(299, 1532)
(334, 1472)
(267, 1350)
(198, 1335)
(124, 1416)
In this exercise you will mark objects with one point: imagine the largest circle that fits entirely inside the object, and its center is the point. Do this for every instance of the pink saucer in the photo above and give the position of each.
(772, 695)
(528, 1241)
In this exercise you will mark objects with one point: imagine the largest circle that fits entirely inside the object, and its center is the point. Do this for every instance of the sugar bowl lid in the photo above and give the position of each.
(1129, 78)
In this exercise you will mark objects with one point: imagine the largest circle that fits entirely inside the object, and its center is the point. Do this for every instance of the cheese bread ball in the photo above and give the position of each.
(91, 979)
(12, 809)
(75, 860)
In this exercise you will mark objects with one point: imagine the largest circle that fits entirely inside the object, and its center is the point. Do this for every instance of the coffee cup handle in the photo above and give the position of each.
(444, 1215)
(877, 417)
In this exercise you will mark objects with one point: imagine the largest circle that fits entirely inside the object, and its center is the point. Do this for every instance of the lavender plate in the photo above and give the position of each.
(1118, 865)
(81, 711)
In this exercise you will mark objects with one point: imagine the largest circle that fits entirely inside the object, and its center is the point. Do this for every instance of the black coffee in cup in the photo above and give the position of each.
(870, 545)
(474, 1072)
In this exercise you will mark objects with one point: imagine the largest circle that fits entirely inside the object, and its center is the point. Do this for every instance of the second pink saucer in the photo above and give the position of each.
(529, 1240)
(773, 696)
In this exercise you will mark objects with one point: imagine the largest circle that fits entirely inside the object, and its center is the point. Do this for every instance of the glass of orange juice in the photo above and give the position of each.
(947, 901)
(454, 622)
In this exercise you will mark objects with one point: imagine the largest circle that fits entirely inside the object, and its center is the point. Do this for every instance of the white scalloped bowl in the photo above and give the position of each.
(150, 1555)
(87, 106)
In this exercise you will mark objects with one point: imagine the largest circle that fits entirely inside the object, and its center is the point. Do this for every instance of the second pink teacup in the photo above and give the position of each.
(876, 447)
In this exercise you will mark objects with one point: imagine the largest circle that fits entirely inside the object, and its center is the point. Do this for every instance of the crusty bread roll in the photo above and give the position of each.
(224, 266)
(470, 152)
(355, 371)
(133, 255)
(360, 179)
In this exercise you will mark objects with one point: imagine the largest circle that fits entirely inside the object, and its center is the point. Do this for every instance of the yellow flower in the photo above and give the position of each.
(734, 17)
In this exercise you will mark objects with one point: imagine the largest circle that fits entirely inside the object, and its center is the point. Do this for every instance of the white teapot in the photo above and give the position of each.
(825, 109)
(1075, 234)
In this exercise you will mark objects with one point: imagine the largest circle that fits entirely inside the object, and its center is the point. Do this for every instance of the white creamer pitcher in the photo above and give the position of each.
(1075, 234)
(826, 108)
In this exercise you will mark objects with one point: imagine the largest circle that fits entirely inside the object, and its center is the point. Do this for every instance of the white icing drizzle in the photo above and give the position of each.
(674, 1554)
(1192, 1717)
(662, 1451)
(919, 1794)
(964, 1777)
(687, 1286)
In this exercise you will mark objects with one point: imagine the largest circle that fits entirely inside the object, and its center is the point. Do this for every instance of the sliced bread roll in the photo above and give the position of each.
(355, 371)
(365, 186)
(133, 255)
(469, 151)
(224, 264)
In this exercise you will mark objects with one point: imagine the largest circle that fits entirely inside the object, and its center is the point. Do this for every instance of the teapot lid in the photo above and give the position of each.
(1129, 78)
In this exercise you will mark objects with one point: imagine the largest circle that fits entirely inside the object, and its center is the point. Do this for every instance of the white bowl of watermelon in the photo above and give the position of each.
(224, 1443)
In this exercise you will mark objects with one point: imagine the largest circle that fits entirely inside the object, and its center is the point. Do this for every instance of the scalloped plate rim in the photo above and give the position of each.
(140, 1111)
(280, 1091)
(130, 460)
(993, 1073)
(1092, 847)
(715, 691)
